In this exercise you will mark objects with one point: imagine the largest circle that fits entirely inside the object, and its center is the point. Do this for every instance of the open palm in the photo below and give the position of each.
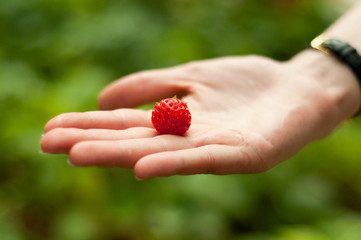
(248, 114)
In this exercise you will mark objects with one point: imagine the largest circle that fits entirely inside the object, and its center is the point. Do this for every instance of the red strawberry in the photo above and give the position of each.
(171, 116)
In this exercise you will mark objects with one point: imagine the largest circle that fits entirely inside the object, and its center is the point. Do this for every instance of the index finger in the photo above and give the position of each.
(143, 87)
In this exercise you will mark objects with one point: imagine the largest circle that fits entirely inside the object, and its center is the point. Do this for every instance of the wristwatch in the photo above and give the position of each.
(343, 51)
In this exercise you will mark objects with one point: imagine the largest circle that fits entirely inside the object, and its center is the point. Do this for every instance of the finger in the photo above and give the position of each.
(123, 153)
(117, 119)
(141, 88)
(60, 140)
(214, 159)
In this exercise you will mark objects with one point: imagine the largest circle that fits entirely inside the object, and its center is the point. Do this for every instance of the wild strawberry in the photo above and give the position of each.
(171, 116)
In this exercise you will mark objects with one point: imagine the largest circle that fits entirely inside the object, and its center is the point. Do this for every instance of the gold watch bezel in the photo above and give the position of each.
(317, 44)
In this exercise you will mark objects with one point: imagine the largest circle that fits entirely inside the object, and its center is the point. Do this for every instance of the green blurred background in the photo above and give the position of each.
(56, 55)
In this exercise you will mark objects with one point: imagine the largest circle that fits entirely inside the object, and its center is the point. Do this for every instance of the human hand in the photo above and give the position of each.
(248, 114)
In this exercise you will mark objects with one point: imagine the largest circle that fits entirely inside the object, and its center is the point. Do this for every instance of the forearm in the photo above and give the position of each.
(348, 27)
(336, 78)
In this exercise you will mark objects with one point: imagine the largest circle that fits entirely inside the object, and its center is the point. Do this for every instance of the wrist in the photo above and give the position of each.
(335, 78)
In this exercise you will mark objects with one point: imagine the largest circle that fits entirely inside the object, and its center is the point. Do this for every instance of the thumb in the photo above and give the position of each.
(143, 87)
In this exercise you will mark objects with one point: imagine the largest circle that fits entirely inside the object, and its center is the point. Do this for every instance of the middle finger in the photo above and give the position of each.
(60, 140)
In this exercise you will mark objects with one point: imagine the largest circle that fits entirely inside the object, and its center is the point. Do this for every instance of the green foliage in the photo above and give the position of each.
(55, 56)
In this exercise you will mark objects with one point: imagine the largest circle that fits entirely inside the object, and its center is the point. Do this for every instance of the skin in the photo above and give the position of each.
(248, 114)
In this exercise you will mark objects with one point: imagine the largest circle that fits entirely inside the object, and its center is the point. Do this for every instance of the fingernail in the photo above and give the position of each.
(137, 178)
(70, 163)
(40, 143)
(41, 152)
